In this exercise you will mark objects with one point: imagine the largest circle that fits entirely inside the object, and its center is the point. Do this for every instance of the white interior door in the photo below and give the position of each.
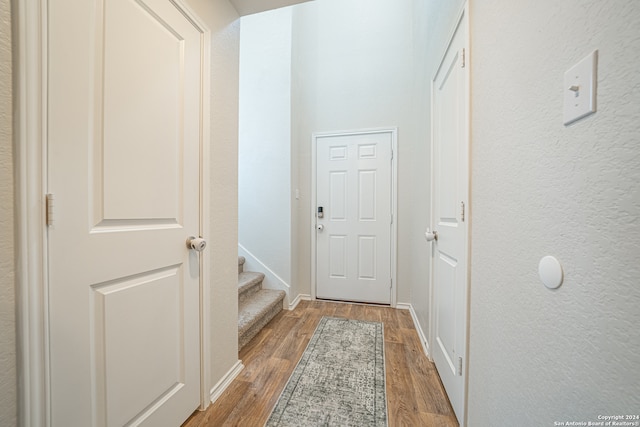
(450, 200)
(124, 126)
(353, 240)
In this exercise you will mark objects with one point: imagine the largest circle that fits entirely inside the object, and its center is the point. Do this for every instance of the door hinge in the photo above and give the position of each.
(460, 366)
(390, 283)
(462, 211)
(391, 218)
(463, 59)
(391, 154)
(49, 208)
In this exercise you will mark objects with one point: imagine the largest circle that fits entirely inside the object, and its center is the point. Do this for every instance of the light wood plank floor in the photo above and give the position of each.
(414, 392)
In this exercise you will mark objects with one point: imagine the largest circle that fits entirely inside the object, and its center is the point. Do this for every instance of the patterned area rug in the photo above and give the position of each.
(340, 379)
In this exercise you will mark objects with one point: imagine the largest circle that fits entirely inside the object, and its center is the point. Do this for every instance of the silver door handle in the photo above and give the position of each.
(196, 243)
(431, 235)
(320, 227)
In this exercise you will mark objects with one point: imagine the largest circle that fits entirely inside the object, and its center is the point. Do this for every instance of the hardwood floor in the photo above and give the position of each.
(414, 392)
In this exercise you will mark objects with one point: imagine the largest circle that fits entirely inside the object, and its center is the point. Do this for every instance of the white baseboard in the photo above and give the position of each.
(403, 306)
(421, 335)
(226, 380)
(296, 300)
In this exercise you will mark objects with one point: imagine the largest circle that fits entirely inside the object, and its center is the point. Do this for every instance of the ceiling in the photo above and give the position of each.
(247, 7)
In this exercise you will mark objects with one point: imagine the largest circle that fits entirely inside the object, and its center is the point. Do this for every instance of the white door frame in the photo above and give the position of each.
(394, 201)
(30, 161)
(464, 11)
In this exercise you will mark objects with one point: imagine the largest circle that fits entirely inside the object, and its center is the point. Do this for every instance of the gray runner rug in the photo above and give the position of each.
(340, 379)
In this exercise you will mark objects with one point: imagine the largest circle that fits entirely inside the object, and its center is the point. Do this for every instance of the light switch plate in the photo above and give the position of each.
(580, 89)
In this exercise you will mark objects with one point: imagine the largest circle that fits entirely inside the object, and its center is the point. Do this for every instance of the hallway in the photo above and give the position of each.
(414, 393)
(538, 188)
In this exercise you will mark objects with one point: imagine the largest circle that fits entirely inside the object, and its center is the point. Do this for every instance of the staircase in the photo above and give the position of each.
(256, 306)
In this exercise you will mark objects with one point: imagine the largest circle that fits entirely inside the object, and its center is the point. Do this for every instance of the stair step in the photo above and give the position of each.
(256, 311)
(249, 282)
(241, 261)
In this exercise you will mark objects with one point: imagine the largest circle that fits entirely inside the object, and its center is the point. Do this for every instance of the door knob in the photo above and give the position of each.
(196, 243)
(320, 227)
(431, 235)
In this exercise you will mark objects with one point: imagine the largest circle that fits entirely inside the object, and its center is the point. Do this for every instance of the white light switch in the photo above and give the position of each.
(580, 89)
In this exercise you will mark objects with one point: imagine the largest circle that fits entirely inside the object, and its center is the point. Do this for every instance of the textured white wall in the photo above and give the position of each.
(352, 69)
(222, 20)
(8, 391)
(264, 187)
(539, 188)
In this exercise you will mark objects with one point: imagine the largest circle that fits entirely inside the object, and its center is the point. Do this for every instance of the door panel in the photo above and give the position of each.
(142, 56)
(124, 144)
(367, 195)
(446, 321)
(450, 196)
(338, 257)
(353, 251)
(156, 362)
(367, 257)
(338, 195)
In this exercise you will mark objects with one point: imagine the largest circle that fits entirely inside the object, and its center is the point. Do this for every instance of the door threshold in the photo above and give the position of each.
(377, 304)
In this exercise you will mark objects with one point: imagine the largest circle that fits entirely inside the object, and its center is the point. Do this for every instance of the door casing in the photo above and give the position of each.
(463, 13)
(394, 201)
(30, 151)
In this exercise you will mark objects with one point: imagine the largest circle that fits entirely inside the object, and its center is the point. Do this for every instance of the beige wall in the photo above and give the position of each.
(222, 20)
(8, 392)
(224, 189)
(352, 69)
(542, 188)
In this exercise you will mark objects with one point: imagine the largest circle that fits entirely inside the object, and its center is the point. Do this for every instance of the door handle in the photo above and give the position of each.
(320, 227)
(431, 235)
(196, 243)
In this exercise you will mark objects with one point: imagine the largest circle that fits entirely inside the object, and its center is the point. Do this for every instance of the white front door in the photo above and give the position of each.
(124, 126)
(353, 232)
(450, 216)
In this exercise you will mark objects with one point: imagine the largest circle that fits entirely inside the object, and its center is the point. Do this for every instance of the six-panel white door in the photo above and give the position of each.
(124, 129)
(353, 240)
(450, 203)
